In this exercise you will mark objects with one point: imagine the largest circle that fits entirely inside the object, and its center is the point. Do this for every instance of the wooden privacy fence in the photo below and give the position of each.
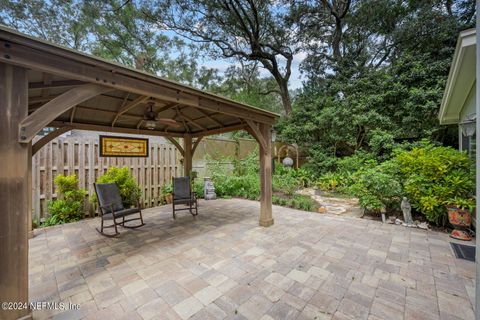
(80, 157)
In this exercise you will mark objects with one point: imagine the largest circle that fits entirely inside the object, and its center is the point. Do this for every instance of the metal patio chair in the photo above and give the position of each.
(183, 195)
(111, 208)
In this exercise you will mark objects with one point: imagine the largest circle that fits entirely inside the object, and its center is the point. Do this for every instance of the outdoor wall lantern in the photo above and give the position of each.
(468, 125)
(274, 135)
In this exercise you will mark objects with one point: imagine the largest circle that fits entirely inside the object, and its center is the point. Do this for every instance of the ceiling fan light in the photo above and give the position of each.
(150, 124)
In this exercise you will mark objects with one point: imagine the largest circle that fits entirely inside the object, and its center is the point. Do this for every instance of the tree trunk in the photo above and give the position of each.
(286, 101)
(337, 38)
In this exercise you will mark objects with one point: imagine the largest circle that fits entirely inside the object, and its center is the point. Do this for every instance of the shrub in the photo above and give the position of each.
(167, 188)
(198, 187)
(70, 203)
(381, 143)
(306, 176)
(129, 189)
(303, 202)
(354, 162)
(378, 187)
(279, 200)
(285, 181)
(435, 176)
(331, 181)
(243, 181)
(320, 161)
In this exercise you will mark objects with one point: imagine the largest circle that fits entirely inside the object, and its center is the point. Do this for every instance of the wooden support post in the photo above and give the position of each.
(15, 191)
(266, 218)
(30, 193)
(187, 158)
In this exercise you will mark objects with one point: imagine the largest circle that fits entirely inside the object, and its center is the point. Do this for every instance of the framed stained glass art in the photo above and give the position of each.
(113, 146)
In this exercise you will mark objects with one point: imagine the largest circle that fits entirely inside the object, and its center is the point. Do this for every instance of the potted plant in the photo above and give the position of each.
(459, 215)
(167, 191)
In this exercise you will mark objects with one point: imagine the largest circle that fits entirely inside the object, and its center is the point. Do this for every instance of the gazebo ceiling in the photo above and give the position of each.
(122, 109)
(124, 94)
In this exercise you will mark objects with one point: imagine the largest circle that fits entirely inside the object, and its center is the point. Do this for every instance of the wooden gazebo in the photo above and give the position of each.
(45, 85)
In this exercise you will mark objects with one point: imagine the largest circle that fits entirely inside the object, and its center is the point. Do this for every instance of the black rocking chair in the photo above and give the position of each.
(183, 195)
(111, 208)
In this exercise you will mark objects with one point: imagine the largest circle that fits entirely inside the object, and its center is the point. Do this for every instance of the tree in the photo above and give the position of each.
(389, 81)
(243, 83)
(248, 30)
(112, 29)
(57, 21)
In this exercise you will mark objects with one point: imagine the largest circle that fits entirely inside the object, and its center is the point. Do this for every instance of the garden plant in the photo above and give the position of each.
(69, 205)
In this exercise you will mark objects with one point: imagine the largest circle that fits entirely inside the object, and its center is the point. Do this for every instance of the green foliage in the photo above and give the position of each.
(436, 176)
(256, 33)
(62, 211)
(129, 189)
(381, 143)
(67, 188)
(298, 201)
(70, 203)
(198, 187)
(385, 84)
(377, 187)
(431, 176)
(281, 201)
(333, 181)
(167, 189)
(285, 180)
(243, 181)
(303, 202)
(243, 83)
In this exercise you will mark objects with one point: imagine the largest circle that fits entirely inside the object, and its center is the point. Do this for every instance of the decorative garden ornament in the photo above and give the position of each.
(287, 162)
(209, 189)
(407, 212)
(461, 220)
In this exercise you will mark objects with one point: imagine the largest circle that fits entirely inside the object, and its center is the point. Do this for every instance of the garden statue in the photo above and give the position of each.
(407, 211)
(209, 189)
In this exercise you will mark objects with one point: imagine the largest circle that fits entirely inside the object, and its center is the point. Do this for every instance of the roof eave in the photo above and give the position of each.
(466, 38)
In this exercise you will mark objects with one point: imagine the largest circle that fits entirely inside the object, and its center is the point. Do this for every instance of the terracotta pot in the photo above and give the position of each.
(460, 219)
(169, 198)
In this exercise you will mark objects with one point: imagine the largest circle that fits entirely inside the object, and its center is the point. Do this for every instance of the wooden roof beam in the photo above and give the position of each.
(49, 137)
(129, 106)
(54, 84)
(235, 127)
(40, 99)
(218, 123)
(177, 145)
(196, 143)
(191, 120)
(255, 131)
(186, 127)
(167, 107)
(106, 128)
(39, 119)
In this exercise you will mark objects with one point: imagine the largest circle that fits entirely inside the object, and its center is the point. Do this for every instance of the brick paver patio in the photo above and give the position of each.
(223, 266)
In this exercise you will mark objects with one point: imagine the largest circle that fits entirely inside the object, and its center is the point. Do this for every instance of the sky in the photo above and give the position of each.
(222, 64)
(295, 78)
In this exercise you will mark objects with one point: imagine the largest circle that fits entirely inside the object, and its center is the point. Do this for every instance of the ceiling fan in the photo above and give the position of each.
(150, 119)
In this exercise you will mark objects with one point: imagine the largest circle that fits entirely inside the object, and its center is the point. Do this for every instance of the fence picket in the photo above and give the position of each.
(81, 157)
